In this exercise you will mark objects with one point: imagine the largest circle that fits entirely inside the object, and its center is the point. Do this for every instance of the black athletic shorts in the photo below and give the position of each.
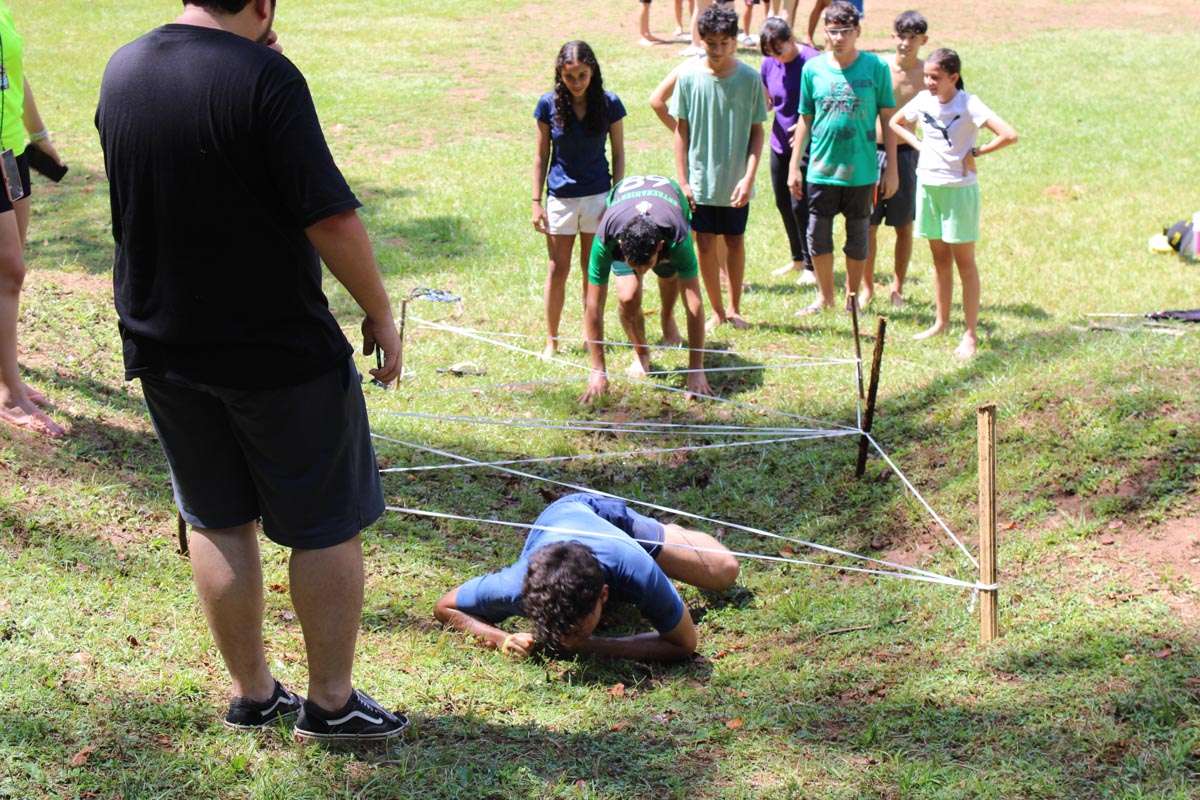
(299, 457)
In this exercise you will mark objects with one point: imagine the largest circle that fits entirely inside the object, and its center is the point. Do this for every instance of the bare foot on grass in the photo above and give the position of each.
(713, 322)
(35, 397)
(897, 299)
(934, 331)
(807, 278)
(670, 332)
(865, 298)
(966, 346)
(550, 351)
(737, 321)
(639, 367)
(32, 419)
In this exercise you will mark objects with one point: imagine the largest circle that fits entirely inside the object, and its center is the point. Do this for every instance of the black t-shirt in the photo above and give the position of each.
(216, 164)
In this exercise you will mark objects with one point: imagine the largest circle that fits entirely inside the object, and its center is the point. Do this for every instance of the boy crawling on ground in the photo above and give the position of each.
(583, 551)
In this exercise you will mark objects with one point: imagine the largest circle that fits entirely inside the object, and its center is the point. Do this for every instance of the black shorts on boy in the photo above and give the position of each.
(721, 220)
(299, 457)
(826, 201)
(901, 208)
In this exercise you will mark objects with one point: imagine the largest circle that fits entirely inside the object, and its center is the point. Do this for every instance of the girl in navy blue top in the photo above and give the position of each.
(573, 123)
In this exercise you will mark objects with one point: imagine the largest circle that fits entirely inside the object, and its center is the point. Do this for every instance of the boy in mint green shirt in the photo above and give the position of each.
(841, 96)
(719, 108)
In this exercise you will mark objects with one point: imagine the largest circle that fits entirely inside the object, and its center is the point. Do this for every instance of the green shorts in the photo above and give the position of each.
(949, 213)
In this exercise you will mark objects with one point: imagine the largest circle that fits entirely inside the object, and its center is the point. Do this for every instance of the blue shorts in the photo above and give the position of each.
(299, 457)
(721, 220)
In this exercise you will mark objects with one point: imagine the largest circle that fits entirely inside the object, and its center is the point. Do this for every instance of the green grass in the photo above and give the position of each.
(1090, 693)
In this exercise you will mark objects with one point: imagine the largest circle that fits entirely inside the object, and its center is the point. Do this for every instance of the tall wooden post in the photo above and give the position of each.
(988, 613)
(872, 391)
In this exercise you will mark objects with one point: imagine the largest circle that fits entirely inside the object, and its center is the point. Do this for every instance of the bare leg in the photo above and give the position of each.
(964, 259)
(943, 268)
(735, 264)
(629, 310)
(227, 571)
(327, 593)
(904, 249)
(854, 271)
(559, 249)
(644, 24)
(668, 290)
(699, 6)
(699, 567)
(823, 266)
(678, 17)
(710, 274)
(867, 290)
(585, 255)
(16, 405)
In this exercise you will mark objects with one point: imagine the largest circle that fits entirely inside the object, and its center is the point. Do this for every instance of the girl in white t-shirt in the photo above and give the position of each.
(947, 188)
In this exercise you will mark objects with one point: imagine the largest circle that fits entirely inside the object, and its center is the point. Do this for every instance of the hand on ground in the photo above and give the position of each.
(597, 387)
(697, 387)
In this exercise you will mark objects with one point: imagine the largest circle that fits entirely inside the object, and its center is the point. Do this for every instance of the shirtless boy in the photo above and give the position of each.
(899, 210)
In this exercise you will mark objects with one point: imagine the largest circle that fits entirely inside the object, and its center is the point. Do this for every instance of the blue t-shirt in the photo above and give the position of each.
(578, 166)
(609, 528)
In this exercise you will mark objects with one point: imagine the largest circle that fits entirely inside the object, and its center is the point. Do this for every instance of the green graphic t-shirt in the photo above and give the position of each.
(844, 105)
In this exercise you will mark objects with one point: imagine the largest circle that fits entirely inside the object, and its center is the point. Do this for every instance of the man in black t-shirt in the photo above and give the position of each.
(224, 195)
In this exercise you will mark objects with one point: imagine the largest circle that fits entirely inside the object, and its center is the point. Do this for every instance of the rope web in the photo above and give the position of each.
(791, 428)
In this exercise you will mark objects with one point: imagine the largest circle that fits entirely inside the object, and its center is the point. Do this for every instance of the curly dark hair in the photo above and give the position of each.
(562, 584)
(717, 20)
(596, 118)
(639, 240)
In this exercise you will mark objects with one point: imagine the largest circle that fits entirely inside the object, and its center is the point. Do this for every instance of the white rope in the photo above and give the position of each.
(679, 512)
(555, 359)
(922, 576)
(921, 500)
(614, 427)
(798, 433)
(550, 459)
(816, 361)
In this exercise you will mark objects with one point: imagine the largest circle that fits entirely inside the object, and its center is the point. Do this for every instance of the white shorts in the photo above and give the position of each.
(568, 216)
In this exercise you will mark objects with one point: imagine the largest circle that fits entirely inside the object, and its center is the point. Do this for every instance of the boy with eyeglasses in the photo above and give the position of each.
(842, 94)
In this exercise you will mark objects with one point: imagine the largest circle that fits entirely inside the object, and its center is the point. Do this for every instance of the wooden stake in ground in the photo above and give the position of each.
(872, 391)
(988, 615)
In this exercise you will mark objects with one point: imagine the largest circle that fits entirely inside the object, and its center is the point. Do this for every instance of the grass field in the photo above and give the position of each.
(811, 682)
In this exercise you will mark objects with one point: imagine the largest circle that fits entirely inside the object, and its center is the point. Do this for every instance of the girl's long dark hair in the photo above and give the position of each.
(596, 118)
(947, 61)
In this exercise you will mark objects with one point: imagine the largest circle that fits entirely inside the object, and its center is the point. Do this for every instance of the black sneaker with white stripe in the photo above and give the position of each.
(361, 720)
(246, 714)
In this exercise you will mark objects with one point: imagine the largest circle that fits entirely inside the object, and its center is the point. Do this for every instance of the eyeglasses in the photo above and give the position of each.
(839, 32)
